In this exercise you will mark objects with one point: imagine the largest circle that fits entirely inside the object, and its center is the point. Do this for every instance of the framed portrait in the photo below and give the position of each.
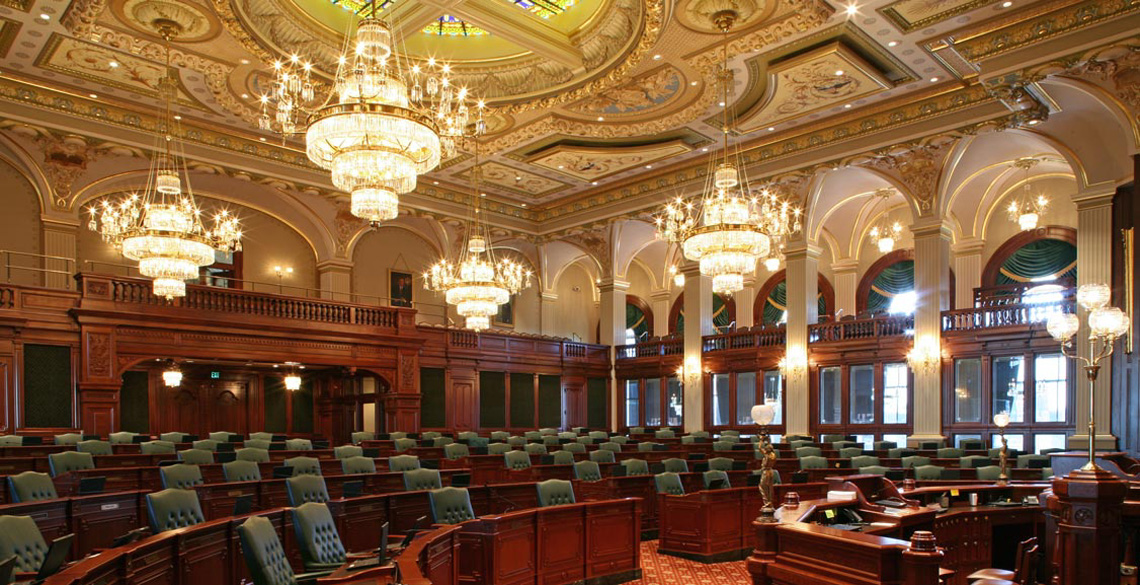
(400, 288)
(506, 315)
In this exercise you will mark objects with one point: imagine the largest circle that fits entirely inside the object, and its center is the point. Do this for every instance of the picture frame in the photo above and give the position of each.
(401, 287)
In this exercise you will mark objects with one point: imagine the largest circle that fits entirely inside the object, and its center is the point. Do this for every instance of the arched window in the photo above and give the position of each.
(638, 320)
(723, 313)
(1045, 255)
(771, 303)
(888, 285)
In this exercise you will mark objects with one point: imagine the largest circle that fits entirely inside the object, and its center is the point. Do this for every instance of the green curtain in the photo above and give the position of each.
(776, 303)
(1039, 261)
(894, 279)
(635, 319)
(721, 317)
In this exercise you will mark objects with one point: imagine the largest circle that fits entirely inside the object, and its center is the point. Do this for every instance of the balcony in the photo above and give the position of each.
(656, 347)
(746, 338)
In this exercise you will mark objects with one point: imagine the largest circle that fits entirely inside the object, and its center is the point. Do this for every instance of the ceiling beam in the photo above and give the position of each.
(515, 25)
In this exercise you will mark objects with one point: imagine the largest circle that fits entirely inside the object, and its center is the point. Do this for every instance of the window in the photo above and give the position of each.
(868, 441)
(968, 390)
(675, 402)
(745, 397)
(1015, 441)
(895, 394)
(653, 402)
(774, 392)
(632, 403)
(903, 303)
(830, 389)
(1009, 387)
(899, 440)
(630, 337)
(720, 400)
(959, 438)
(862, 394)
(1051, 388)
(1042, 442)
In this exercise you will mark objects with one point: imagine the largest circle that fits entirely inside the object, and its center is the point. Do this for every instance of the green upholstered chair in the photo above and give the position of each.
(474, 442)
(403, 463)
(915, 461)
(832, 438)
(687, 440)
(563, 458)
(721, 463)
(548, 431)
(205, 445)
(68, 439)
(535, 448)
(404, 444)
(94, 447)
(304, 465)
(517, 460)
(602, 456)
(676, 465)
(456, 451)
(574, 447)
(928, 472)
(422, 479)
(723, 445)
(664, 434)
(220, 436)
(251, 454)
(396, 435)
(595, 435)
(357, 465)
(11, 441)
(646, 446)
(793, 437)
(317, 537)
(568, 435)
(989, 473)
(306, 488)
(973, 461)
(241, 470)
(429, 435)
(610, 446)
(174, 437)
(802, 452)
(180, 476)
(793, 445)
(864, 461)
(532, 436)
(840, 445)
(884, 445)
(467, 435)
(637, 430)
(1046, 472)
(500, 435)
(68, 461)
(298, 445)
(156, 448)
(31, 486)
(950, 453)
(730, 432)
(359, 437)
(196, 456)
(516, 441)
(173, 508)
(813, 462)
(849, 452)
(263, 436)
(619, 439)
(265, 557)
(551, 441)
(346, 451)
(20, 537)
(583, 440)
(972, 444)
(1023, 461)
(874, 470)
(669, 483)
(729, 438)
(257, 444)
(587, 471)
(122, 438)
(450, 505)
(635, 466)
(442, 441)
(714, 474)
(900, 452)
(700, 434)
(555, 492)
(498, 448)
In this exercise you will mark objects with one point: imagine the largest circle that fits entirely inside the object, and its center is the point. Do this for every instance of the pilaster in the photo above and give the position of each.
(967, 271)
(932, 292)
(60, 253)
(803, 284)
(846, 274)
(335, 278)
(1094, 266)
(698, 323)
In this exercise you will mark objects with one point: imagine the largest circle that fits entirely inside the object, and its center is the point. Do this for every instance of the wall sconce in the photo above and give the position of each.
(794, 365)
(926, 355)
(282, 272)
(690, 371)
(172, 377)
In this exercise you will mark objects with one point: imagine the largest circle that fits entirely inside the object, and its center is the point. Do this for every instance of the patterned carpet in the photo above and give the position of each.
(660, 569)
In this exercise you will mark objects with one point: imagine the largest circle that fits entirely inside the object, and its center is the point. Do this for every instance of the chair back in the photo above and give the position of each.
(173, 508)
(317, 537)
(357, 465)
(602, 456)
(304, 465)
(950, 453)
(669, 483)
(574, 447)
(450, 505)
(156, 447)
(31, 486)
(535, 448)
(498, 448)
(646, 447)
(635, 466)
(884, 445)
(637, 430)
(264, 556)
(298, 445)
(68, 439)
(173, 437)
(831, 438)
(989, 472)
(467, 435)
(800, 443)
(180, 476)
(700, 434)
(619, 439)
(359, 437)
(11, 441)
(928, 472)
(205, 445)
(915, 461)
(94, 447)
(500, 435)
(864, 461)
(68, 461)
(403, 463)
(221, 436)
(422, 479)
(257, 444)
(664, 434)
(404, 444)
(394, 435)
(429, 435)
(563, 458)
(721, 463)
(850, 452)
(597, 435)
(263, 436)
(516, 460)
(568, 435)
(196, 456)
(548, 431)
(122, 438)
(874, 470)
(442, 441)
(610, 446)
(455, 451)
(251, 454)
(714, 474)
(555, 492)
(723, 445)
(802, 452)
(587, 471)
(241, 470)
(346, 451)
(20, 537)
(516, 441)
(973, 461)
(675, 465)
(813, 462)
(306, 488)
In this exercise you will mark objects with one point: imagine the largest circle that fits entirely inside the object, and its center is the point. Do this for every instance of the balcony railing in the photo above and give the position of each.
(861, 329)
(652, 348)
(746, 338)
(997, 316)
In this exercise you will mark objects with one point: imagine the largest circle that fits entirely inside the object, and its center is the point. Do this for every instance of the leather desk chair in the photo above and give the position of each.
(94, 447)
(122, 438)
(850, 452)
(430, 435)
(874, 470)
(173, 437)
(619, 439)
(205, 445)
(915, 461)
(241, 470)
(635, 466)
(714, 474)
(864, 461)
(555, 492)
(574, 447)
(535, 448)
(346, 451)
(563, 458)
(403, 463)
(317, 538)
(196, 456)
(68, 461)
(500, 435)
(68, 439)
(498, 448)
(989, 473)
(265, 557)
(669, 483)
(156, 448)
(264, 436)
(928, 472)
(610, 446)
(723, 446)
(252, 454)
(516, 460)
(21, 538)
(180, 476)
(721, 463)
(646, 447)
(665, 434)
(950, 453)
(306, 488)
(450, 505)
(298, 445)
(31, 486)
(675, 465)
(357, 465)
(404, 444)
(304, 465)
(587, 471)
(813, 462)
(171, 509)
(257, 444)
(802, 452)
(602, 456)
(396, 435)
(220, 436)
(973, 461)
(360, 436)
(456, 451)
(422, 479)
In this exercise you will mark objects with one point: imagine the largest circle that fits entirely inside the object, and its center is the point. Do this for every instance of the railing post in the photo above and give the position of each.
(921, 560)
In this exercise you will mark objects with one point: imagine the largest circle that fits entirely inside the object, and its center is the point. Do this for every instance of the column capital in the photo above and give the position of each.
(802, 251)
(935, 227)
(335, 265)
(845, 266)
(661, 295)
(968, 247)
(548, 296)
(1095, 196)
(612, 285)
(58, 224)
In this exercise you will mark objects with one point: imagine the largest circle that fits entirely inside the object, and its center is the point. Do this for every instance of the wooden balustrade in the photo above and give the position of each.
(652, 348)
(998, 316)
(861, 329)
(745, 339)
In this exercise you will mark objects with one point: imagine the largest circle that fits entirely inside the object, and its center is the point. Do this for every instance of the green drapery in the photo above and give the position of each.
(721, 318)
(635, 319)
(894, 279)
(777, 303)
(1040, 261)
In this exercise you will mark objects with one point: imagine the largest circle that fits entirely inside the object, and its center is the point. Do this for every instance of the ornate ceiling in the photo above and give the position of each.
(595, 103)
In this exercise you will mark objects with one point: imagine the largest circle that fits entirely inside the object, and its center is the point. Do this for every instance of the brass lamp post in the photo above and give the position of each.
(1002, 420)
(763, 415)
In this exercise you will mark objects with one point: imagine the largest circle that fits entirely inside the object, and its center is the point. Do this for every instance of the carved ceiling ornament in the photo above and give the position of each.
(81, 16)
(917, 166)
(194, 24)
(790, 18)
(1117, 68)
(65, 159)
(347, 226)
(698, 14)
(596, 244)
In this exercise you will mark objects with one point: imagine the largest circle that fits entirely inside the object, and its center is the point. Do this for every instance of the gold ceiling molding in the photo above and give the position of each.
(8, 31)
(792, 17)
(517, 181)
(79, 17)
(195, 24)
(697, 15)
(639, 96)
(593, 163)
(909, 15)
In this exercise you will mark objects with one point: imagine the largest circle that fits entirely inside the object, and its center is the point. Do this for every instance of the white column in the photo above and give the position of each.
(802, 285)
(698, 323)
(661, 300)
(745, 299)
(60, 248)
(846, 282)
(612, 318)
(548, 306)
(1094, 266)
(932, 292)
(967, 271)
(335, 279)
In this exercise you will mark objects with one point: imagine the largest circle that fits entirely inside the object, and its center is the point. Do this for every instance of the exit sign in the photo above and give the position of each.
(215, 375)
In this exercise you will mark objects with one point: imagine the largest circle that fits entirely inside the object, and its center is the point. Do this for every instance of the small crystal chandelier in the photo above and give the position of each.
(293, 379)
(886, 233)
(172, 375)
(161, 228)
(1026, 209)
(476, 283)
(730, 227)
(385, 121)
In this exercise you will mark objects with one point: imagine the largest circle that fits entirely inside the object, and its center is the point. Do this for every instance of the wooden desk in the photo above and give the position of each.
(711, 526)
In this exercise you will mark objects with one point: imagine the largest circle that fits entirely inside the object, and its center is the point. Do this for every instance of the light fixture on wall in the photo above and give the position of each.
(885, 234)
(678, 276)
(794, 365)
(1027, 207)
(730, 226)
(386, 119)
(1001, 420)
(282, 272)
(161, 228)
(1105, 325)
(926, 355)
(293, 379)
(772, 263)
(172, 375)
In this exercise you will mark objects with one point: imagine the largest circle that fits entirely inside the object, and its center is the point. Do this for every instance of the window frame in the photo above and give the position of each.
(642, 392)
(775, 429)
(877, 427)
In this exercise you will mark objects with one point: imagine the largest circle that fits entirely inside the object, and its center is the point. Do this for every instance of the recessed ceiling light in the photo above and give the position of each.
(245, 61)
(771, 128)
(657, 57)
(848, 106)
(561, 166)
(482, 194)
(177, 117)
(524, 204)
(595, 182)
(648, 166)
(934, 80)
(721, 104)
(262, 139)
(1006, 4)
(45, 16)
(245, 96)
(705, 149)
(435, 182)
(113, 64)
(852, 9)
(93, 96)
(893, 44)
(601, 119)
(838, 72)
(692, 83)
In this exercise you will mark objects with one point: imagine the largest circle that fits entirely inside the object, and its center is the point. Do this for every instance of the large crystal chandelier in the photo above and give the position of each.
(885, 234)
(384, 120)
(730, 226)
(1026, 208)
(477, 283)
(161, 228)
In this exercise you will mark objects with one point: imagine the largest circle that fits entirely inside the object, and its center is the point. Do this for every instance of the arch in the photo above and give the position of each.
(646, 312)
(864, 289)
(23, 162)
(727, 313)
(826, 290)
(1012, 245)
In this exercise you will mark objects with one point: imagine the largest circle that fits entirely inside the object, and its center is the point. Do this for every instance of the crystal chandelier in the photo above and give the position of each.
(730, 227)
(161, 228)
(1026, 209)
(172, 375)
(886, 233)
(476, 283)
(384, 121)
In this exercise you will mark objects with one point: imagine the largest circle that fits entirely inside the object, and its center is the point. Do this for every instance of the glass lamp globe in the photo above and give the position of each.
(1062, 326)
(772, 263)
(1001, 420)
(763, 414)
(172, 378)
(292, 382)
(1093, 296)
(1027, 221)
(886, 245)
(1108, 322)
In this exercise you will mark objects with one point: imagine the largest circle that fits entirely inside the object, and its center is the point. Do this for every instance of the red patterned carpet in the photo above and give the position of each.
(660, 569)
